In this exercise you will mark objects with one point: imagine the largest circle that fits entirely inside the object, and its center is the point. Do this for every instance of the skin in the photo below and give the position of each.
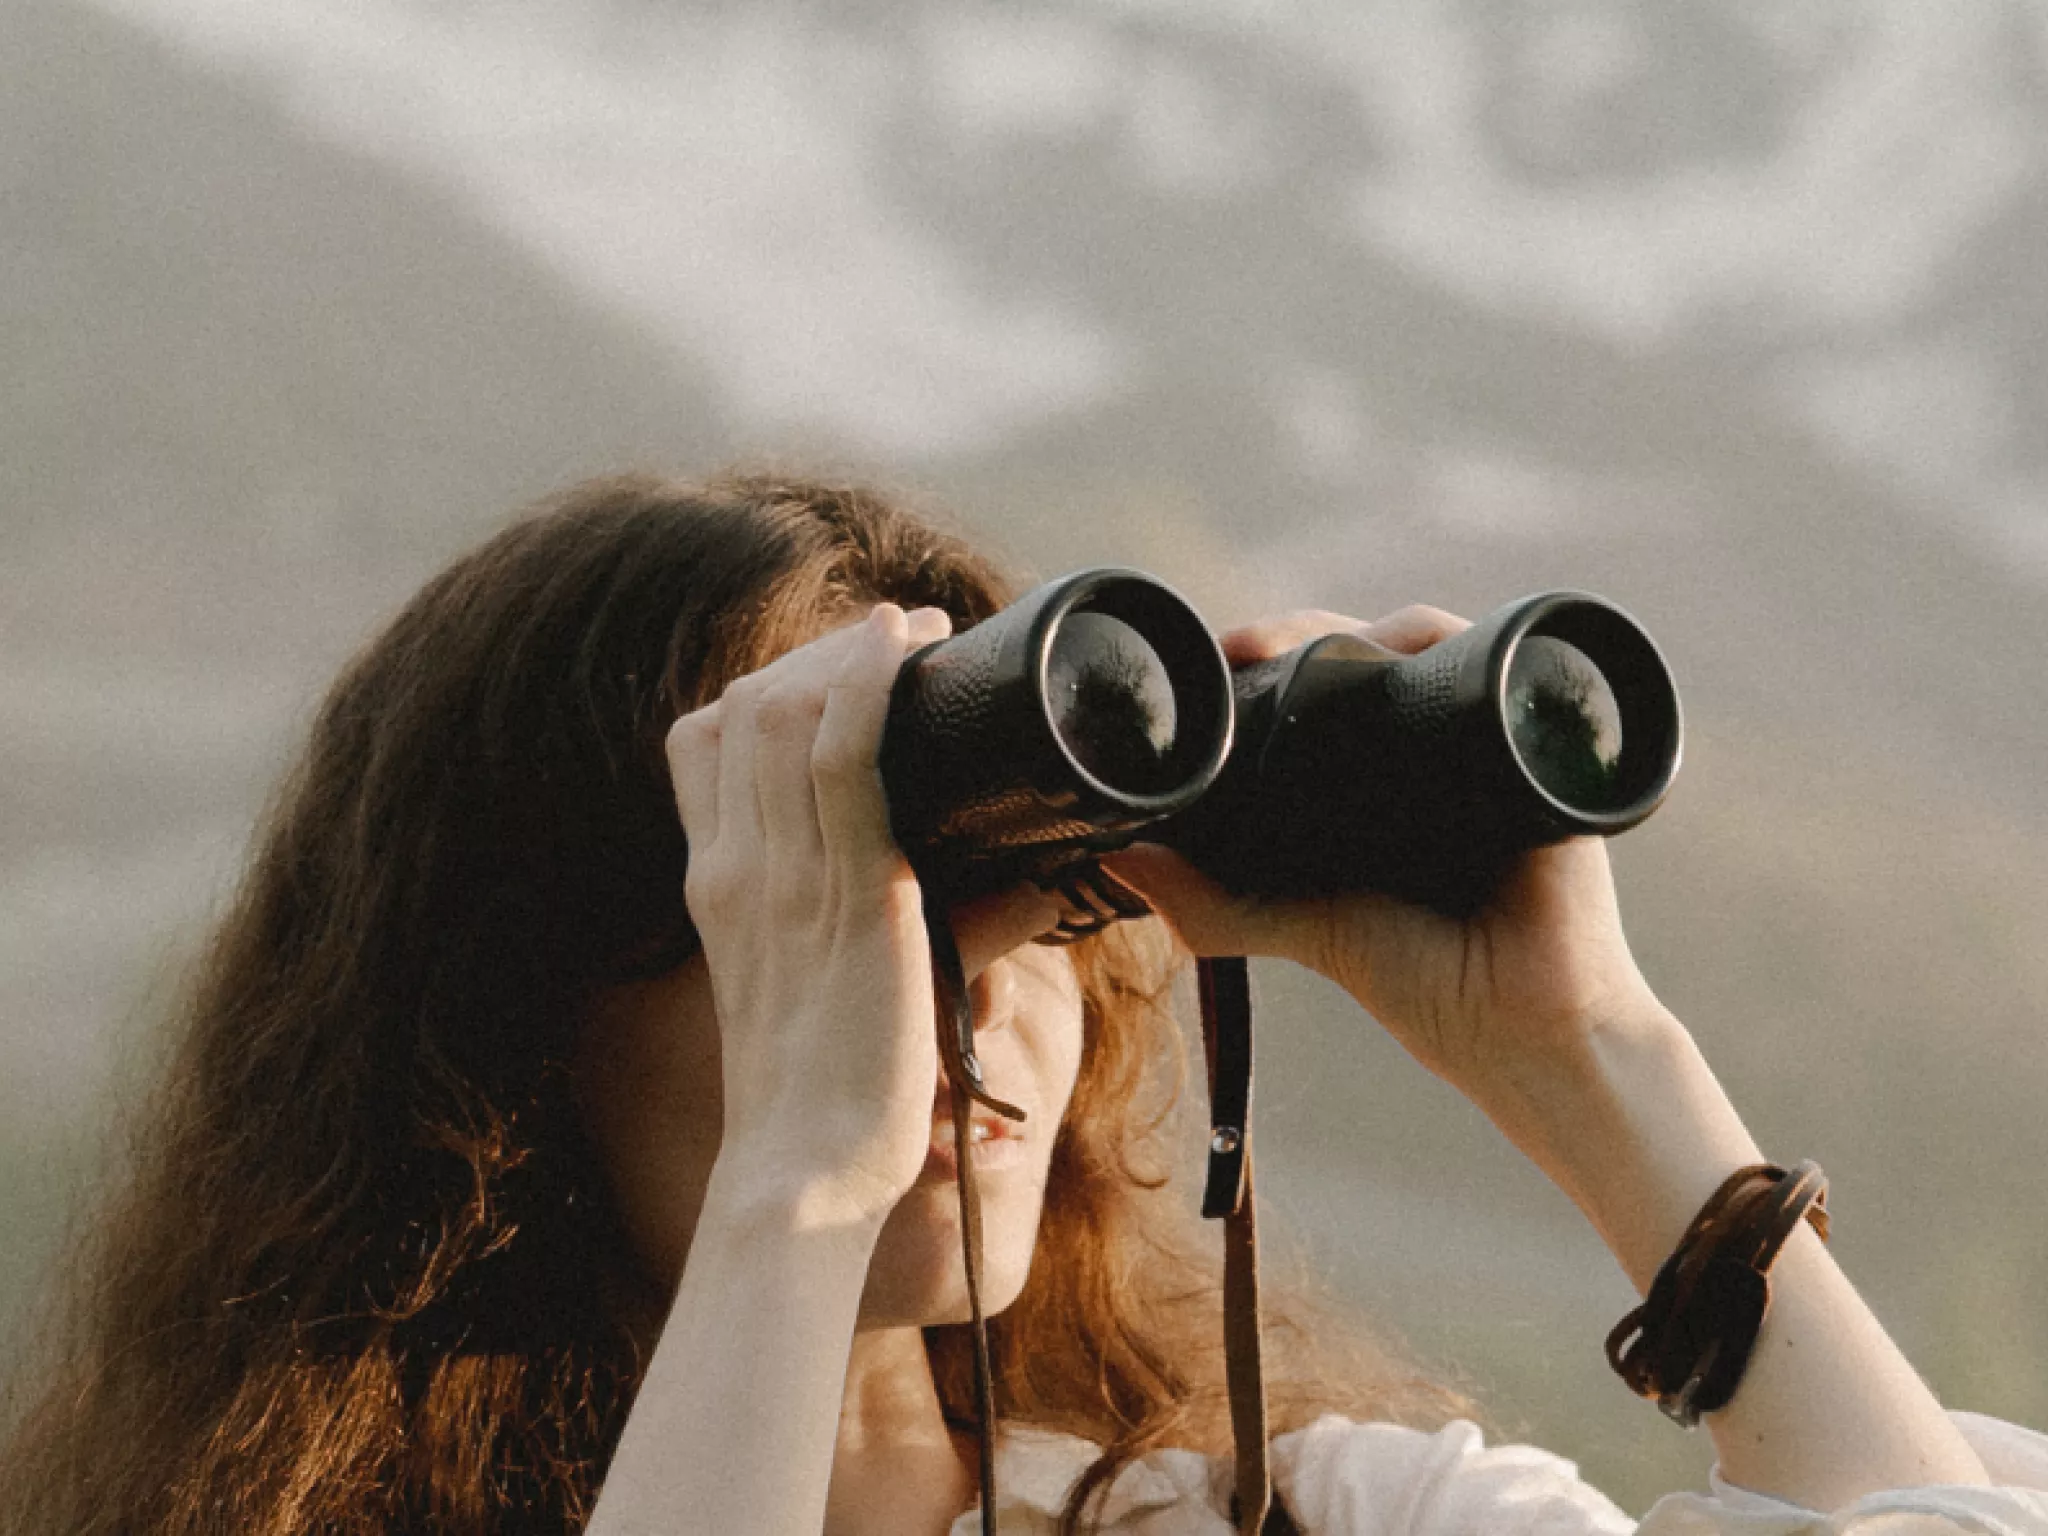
(770, 1050)
(651, 1059)
(650, 1056)
(1535, 1010)
(766, 1112)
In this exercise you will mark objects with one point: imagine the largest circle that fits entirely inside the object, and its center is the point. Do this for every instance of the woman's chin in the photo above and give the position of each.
(917, 1276)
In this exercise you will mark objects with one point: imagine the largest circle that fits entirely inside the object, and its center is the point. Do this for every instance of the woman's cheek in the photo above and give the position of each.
(648, 1084)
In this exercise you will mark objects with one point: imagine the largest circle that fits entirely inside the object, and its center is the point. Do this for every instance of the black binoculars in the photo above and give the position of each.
(1098, 711)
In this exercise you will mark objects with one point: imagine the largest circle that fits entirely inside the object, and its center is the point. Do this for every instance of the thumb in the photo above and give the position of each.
(1162, 875)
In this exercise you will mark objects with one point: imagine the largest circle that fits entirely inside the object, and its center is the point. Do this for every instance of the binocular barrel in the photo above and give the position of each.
(1098, 711)
(1092, 705)
(1426, 776)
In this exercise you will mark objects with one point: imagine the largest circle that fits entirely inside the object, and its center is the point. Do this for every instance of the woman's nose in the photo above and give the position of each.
(995, 995)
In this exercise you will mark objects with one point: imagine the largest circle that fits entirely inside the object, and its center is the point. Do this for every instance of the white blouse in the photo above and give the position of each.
(1341, 1478)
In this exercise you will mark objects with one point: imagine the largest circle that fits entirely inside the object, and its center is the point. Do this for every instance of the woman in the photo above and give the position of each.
(516, 1173)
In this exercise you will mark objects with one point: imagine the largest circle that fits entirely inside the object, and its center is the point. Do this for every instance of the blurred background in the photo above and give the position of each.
(1733, 312)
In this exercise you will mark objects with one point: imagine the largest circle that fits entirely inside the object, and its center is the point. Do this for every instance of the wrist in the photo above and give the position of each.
(754, 1197)
(1634, 1127)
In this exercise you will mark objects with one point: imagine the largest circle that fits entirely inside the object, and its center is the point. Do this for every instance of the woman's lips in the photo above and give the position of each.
(996, 1144)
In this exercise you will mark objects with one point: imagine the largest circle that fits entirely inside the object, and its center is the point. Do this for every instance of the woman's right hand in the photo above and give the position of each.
(811, 921)
(813, 926)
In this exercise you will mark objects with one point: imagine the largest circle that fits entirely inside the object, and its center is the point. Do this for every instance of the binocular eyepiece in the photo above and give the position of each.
(1097, 711)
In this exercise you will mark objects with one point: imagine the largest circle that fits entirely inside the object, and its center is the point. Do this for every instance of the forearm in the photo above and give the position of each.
(1639, 1133)
(734, 1426)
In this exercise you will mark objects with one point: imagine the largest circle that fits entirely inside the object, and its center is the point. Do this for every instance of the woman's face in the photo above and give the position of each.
(648, 1079)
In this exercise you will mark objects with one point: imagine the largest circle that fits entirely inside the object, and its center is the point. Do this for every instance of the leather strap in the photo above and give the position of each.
(1224, 984)
(1096, 898)
(963, 1074)
(1225, 989)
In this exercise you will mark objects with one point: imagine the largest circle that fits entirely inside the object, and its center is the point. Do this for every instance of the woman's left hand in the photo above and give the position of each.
(1536, 1012)
(1493, 1005)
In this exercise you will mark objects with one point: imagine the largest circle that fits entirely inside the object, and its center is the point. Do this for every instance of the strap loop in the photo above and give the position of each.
(1225, 988)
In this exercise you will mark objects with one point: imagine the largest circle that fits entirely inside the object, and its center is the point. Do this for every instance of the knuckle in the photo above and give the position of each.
(787, 710)
(843, 757)
(1267, 638)
(1425, 616)
(1310, 621)
(692, 734)
(870, 665)
(743, 693)
(868, 884)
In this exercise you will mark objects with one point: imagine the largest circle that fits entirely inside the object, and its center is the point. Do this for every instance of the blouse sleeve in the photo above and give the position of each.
(2016, 1459)
(1341, 1478)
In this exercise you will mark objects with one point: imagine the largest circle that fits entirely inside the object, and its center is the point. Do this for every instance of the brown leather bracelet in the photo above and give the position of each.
(1696, 1329)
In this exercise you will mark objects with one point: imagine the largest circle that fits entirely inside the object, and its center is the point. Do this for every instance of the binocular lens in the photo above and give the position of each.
(1565, 722)
(1112, 702)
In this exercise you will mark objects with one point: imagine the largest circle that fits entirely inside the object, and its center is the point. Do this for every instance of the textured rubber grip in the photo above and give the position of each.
(1422, 692)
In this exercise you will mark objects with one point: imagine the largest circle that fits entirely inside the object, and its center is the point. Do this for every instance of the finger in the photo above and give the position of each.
(927, 625)
(785, 725)
(1415, 628)
(783, 703)
(692, 751)
(718, 795)
(739, 814)
(814, 662)
(1276, 636)
(817, 662)
(852, 812)
(787, 713)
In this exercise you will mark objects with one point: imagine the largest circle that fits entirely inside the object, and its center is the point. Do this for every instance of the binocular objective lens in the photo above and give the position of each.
(1565, 722)
(1112, 702)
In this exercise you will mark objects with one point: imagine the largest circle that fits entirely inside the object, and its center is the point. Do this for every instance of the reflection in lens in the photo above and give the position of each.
(1565, 722)
(1112, 702)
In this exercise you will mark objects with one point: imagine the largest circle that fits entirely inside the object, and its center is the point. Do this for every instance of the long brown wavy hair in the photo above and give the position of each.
(362, 1272)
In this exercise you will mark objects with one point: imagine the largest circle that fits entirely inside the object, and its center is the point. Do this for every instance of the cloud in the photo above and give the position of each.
(713, 178)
